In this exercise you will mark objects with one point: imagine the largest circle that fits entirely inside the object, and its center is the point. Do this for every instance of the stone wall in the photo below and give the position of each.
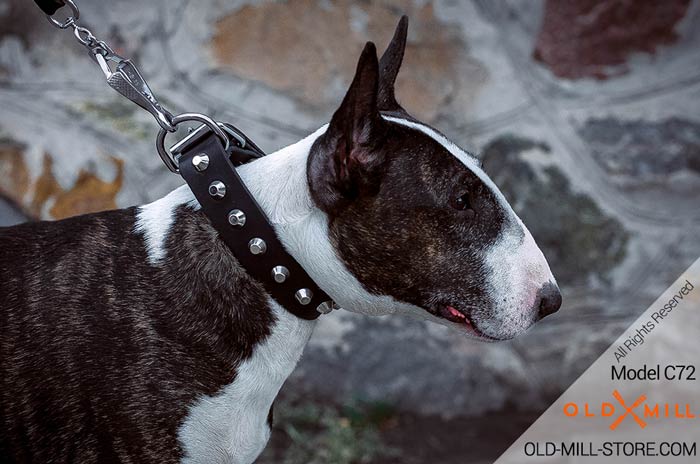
(599, 153)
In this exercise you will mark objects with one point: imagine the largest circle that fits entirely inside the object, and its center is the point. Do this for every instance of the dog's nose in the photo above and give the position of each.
(549, 300)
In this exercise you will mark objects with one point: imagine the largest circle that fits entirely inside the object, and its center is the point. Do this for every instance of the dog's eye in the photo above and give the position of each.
(461, 202)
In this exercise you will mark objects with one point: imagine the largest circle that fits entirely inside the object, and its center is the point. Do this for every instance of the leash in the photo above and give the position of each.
(207, 160)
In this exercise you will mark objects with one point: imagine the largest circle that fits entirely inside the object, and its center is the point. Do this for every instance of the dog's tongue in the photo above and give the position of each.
(453, 315)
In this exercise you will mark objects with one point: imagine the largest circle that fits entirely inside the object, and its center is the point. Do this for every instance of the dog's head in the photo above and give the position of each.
(415, 218)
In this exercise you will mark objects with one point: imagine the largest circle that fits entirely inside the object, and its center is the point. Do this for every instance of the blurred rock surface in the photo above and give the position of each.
(604, 172)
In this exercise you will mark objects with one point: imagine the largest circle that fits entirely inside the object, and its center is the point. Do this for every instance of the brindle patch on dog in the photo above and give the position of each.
(102, 353)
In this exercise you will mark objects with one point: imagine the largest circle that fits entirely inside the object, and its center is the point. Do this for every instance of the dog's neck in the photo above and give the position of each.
(278, 182)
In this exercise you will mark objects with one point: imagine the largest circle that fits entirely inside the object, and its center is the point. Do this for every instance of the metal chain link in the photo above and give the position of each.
(83, 34)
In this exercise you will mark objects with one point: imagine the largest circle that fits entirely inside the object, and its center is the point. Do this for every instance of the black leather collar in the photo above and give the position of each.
(210, 172)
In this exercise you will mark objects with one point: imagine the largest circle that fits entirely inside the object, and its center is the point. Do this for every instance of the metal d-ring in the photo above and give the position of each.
(165, 153)
(70, 20)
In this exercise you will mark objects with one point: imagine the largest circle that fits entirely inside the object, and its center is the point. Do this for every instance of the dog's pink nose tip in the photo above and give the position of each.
(548, 300)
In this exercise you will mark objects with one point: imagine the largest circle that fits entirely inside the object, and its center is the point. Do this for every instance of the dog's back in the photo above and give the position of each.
(101, 352)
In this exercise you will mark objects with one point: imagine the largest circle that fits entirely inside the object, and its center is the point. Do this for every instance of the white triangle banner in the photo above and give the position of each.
(639, 402)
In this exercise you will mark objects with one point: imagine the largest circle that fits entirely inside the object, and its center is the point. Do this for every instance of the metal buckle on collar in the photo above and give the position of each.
(170, 156)
(199, 133)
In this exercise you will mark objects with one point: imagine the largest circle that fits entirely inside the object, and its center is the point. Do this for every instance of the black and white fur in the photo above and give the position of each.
(134, 335)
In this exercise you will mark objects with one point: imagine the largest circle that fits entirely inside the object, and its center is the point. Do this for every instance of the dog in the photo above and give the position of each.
(135, 336)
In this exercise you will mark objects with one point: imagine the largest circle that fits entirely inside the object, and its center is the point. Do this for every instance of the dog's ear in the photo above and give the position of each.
(389, 67)
(345, 162)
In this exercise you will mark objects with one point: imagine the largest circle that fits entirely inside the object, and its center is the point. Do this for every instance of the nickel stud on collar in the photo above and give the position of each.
(304, 296)
(200, 162)
(326, 307)
(280, 274)
(217, 189)
(257, 246)
(236, 218)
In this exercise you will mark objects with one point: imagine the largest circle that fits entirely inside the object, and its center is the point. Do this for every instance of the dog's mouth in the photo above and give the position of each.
(452, 314)
(461, 318)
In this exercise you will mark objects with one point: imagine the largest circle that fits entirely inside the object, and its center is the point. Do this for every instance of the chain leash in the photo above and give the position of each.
(124, 77)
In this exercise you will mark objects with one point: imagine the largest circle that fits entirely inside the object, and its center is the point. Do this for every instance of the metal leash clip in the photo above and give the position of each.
(122, 75)
(126, 79)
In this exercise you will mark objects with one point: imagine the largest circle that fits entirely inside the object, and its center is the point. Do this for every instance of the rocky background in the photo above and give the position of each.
(586, 113)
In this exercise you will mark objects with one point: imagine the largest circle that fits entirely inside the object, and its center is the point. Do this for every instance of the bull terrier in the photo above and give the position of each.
(135, 336)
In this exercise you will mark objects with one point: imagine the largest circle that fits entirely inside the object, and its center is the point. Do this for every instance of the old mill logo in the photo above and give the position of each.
(640, 411)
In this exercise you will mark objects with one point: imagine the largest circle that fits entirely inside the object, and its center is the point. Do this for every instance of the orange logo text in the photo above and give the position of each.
(640, 411)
